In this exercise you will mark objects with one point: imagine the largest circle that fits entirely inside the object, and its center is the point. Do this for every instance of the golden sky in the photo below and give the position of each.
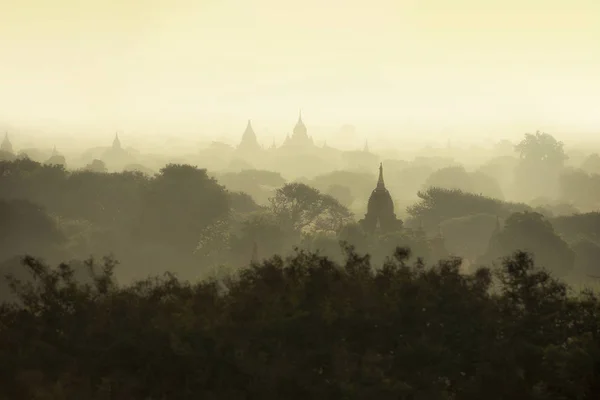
(455, 62)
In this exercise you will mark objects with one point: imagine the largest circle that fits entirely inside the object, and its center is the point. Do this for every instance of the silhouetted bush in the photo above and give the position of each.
(303, 327)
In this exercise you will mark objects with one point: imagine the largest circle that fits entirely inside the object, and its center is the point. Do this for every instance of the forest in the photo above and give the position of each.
(246, 282)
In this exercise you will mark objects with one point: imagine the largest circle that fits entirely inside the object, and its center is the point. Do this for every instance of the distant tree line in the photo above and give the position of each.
(186, 216)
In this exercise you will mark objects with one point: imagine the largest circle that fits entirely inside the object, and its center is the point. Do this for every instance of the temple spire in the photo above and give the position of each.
(116, 141)
(6, 144)
(249, 141)
(299, 134)
(366, 148)
(380, 183)
(249, 132)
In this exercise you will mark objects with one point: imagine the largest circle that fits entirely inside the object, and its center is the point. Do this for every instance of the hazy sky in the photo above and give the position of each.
(432, 62)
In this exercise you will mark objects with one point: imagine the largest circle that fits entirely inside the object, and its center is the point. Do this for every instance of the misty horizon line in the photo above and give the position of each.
(232, 124)
(228, 128)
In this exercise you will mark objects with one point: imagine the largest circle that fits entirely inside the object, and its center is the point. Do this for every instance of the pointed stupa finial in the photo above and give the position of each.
(300, 115)
(249, 140)
(249, 130)
(380, 183)
(117, 141)
(6, 144)
(366, 148)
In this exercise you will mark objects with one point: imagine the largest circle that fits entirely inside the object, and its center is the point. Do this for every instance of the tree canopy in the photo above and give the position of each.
(300, 207)
(541, 148)
(26, 228)
(531, 232)
(438, 204)
(456, 177)
(301, 328)
(178, 204)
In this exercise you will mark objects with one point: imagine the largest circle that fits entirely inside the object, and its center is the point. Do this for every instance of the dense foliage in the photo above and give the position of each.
(184, 216)
(439, 204)
(304, 327)
(532, 232)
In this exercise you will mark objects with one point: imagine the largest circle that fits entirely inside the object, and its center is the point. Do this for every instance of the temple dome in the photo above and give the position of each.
(249, 141)
(380, 202)
(380, 209)
(299, 137)
(6, 144)
(300, 128)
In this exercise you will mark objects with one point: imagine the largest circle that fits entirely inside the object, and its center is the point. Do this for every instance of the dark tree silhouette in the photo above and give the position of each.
(300, 207)
(27, 228)
(178, 204)
(530, 231)
(437, 205)
(303, 328)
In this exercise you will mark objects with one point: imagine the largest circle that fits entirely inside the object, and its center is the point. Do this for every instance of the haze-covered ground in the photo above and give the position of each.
(148, 206)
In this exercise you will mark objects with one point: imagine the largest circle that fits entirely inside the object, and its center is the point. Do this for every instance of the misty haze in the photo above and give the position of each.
(300, 200)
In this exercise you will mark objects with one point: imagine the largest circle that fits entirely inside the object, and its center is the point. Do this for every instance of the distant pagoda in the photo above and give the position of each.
(6, 145)
(249, 142)
(380, 209)
(299, 136)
